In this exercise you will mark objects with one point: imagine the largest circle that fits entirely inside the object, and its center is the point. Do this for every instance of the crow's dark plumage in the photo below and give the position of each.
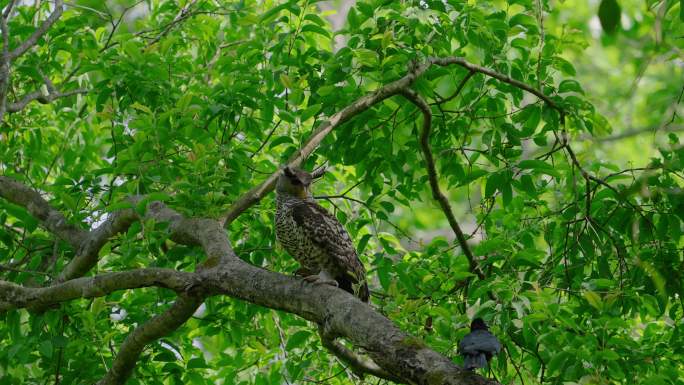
(478, 346)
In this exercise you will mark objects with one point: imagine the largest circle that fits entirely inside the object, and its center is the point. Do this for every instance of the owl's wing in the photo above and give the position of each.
(327, 232)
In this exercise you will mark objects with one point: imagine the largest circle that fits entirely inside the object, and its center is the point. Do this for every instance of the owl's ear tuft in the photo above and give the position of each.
(288, 171)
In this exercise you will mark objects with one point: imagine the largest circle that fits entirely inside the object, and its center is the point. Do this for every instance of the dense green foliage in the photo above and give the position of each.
(582, 259)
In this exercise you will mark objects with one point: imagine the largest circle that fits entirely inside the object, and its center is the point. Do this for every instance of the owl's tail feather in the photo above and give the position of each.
(364, 293)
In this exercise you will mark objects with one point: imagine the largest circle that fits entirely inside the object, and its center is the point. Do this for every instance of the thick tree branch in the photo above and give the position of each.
(157, 327)
(38, 33)
(89, 287)
(437, 193)
(51, 219)
(340, 314)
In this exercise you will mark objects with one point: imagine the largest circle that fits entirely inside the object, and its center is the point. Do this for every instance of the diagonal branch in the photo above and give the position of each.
(39, 32)
(358, 364)
(182, 14)
(5, 59)
(437, 193)
(157, 327)
(51, 219)
(361, 104)
(18, 296)
(88, 250)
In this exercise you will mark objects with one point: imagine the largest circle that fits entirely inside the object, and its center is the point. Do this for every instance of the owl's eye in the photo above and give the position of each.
(296, 182)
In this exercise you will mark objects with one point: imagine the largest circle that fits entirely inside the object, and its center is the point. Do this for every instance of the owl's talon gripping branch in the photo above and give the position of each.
(322, 278)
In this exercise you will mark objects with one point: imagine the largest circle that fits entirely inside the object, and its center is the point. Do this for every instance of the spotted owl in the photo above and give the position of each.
(314, 237)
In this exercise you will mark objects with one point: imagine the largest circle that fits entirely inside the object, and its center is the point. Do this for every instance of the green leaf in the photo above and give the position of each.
(119, 206)
(309, 112)
(609, 15)
(493, 183)
(280, 140)
(538, 166)
(593, 299)
(366, 57)
(363, 243)
(297, 339)
(316, 29)
(273, 12)
(528, 257)
(142, 108)
(570, 85)
(45, 348)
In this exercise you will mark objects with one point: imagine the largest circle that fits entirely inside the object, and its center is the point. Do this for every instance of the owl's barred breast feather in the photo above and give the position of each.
(318, 241)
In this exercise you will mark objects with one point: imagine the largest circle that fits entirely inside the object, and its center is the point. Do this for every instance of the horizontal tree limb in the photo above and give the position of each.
(339, 313)
(42, 98)
(17, 296)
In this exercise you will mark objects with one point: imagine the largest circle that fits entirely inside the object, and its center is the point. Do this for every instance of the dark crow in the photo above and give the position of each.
(478, 346)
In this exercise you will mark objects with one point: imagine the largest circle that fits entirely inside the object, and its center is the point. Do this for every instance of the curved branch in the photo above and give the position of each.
(496, 75)
(17, 296)
(437, 193)
(157, 327)
(395, 352)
